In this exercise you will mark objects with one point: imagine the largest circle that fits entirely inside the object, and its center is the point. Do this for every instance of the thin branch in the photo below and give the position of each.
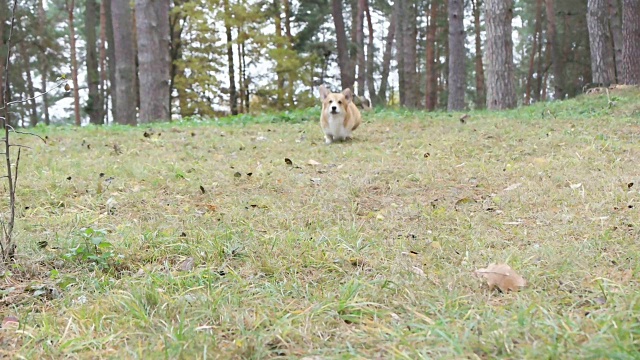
(20, 146)
(26, 133)
(33, 97)
(15, 183)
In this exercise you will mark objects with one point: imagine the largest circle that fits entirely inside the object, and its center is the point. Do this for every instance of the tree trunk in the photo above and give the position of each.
(554, 49)
(344, 62)
(457, 70)
(616, 33)
(501, 92)
(154, 59)
(279, 60)
(176, 23)
(74, 63)
(431, 92)
(400, 47)
(602, 66)
(481, 94)
(3, 52)
(124, 90)
(42, 59)
(534, 49)
(240, 78)
(410, 56)
(233, 98)
(631, 41)
(386, 61)
(371, 86)
(33, 107)
(94, 103)
(103, 59)
(360, 47)
(287, 20)
(111, 59)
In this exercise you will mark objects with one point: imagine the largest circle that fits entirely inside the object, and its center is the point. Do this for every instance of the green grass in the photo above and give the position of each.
(368, 255)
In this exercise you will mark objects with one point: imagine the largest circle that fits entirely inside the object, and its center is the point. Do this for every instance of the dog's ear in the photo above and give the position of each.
(323, 92)
(347, 94)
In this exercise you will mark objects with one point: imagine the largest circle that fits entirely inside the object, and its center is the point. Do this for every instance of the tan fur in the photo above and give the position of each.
(338, 123)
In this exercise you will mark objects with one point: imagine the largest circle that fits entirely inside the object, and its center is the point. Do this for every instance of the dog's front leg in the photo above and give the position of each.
(328, 139)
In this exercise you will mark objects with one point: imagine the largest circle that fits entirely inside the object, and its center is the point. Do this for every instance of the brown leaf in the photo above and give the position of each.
(10, 322)
(502, 276)
(187, 264)
(288, 161)
(313, 163)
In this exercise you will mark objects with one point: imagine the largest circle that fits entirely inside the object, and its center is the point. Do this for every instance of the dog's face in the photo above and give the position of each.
(334, 103)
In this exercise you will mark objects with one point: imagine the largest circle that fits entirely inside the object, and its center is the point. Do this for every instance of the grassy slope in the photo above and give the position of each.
(321, 259)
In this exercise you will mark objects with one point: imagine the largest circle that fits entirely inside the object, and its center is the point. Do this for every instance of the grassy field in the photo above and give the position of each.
(251, 239)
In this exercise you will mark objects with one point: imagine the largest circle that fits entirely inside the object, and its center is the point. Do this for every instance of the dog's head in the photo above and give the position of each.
(335, 103)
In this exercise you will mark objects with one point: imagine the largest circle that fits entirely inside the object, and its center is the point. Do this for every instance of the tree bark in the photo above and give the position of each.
(534, 50)
(431, 92)
(278, 41)
(481, 93)
(554, 49)
(94, 103)
(3, 51)
(124, 90)
(344, 62)
(233, 97)
(154, 59)
(501, 92)
(457, 70)
(616, 32)
(410, 55)
(74, 63)
(631, 41)
(602, 66)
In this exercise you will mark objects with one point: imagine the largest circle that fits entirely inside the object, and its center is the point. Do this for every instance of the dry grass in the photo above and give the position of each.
(369, 254)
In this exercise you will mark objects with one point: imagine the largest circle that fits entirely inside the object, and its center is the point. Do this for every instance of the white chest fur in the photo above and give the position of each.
(336, 127)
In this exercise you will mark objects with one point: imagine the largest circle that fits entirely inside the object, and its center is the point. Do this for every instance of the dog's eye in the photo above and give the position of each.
(330, 101)
(340, 102)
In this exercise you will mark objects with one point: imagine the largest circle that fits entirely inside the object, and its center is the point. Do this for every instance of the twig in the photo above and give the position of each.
(33, 97)
(27, 133)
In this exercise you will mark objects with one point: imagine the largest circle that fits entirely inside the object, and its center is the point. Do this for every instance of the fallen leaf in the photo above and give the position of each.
(237, 174)
(426, 155)
(465, 200)
(211, 207)
(436, 245)
(357, 262)
(629, 185)
(313, 163)
(512, 187)
(502, 276)
(288, 161)
(575, 186)
(416, 270)
(187, 264)
(202, 189)
(10, 322)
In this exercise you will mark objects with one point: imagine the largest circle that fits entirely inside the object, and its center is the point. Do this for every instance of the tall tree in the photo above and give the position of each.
(631, 41)
(537, 33)
(359, 43)
(410, 53)
(481, 93)
(124, 90)
(347, 78)
(457, 70)
(111, 59)
(554, 49)
(616, 32)
(233, 97)
(154, 59)
(26, 62)
(103, 59)
(431, 93)
(43, 60)
(94, 103)
(386, 61)
(371, 86)
(602, 65)
(501, 92)
(74, 62)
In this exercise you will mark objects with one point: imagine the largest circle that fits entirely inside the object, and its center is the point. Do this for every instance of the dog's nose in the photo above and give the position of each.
(334, 108)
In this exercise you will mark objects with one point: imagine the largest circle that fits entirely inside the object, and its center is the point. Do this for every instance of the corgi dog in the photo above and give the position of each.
(340, 116)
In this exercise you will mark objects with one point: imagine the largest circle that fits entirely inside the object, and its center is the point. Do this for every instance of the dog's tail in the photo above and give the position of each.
(362, 102)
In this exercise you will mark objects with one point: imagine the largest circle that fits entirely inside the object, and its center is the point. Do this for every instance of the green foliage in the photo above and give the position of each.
(92, 248)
